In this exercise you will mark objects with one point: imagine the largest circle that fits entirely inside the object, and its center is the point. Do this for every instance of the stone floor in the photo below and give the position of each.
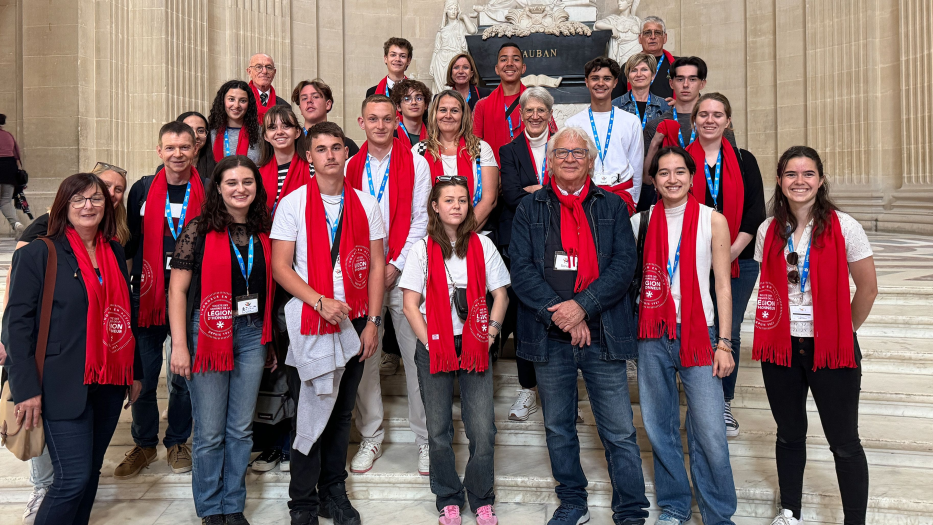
(896, 427)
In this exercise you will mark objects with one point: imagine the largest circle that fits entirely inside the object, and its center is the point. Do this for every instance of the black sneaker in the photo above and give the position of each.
(267, 460)
(302, 517)
(213, 519)
(339, 508)
(237, 518)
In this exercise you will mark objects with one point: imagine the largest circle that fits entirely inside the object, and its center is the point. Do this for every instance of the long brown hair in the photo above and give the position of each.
(71, 186)
(433, 142)
(823, 206)
(288, 118)
(214, 215)
(436, 227)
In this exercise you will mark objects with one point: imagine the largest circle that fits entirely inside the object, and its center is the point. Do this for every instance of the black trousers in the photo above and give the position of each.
(836, 393)
(324, 469)
(526, 369)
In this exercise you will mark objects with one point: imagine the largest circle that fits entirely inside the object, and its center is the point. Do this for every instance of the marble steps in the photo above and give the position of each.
(885, 320)
(890, 294)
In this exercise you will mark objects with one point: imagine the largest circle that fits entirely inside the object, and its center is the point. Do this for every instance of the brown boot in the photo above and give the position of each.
(179, 458)
(136, 459)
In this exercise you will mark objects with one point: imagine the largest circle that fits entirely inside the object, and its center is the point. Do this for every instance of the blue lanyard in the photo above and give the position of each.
(387, 87)
(385, 179)
(605, 149)
(543, 165)
(479, 185)
(680, 136)
(100, 279)
(509, 118)
(227, 152)
(644, 119)
(673, 268)
(245, 269)
(470, 93)
(181, 218)
(332, 228)
(713, 185)
(805, 271)
(658, 70)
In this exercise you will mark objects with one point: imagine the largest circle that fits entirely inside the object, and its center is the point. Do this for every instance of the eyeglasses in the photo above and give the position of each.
(578, 153)
(259, 67)
(78, 201)
(101, 167)
(451, 178)
(648, 33)
(793, 276)
(409, 100)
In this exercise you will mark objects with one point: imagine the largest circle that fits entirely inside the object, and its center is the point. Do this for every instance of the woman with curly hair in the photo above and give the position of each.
(220, 310)
(234, 122)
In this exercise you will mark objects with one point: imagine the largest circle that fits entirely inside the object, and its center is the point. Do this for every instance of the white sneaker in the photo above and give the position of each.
(525, 404)
(32, 506)
(18, 230)
(389, 364)
(424, 460)
(369, 452)
(786, 517)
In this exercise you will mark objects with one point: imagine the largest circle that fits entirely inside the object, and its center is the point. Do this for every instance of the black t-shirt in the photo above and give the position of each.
(38, 228)
(753, 210)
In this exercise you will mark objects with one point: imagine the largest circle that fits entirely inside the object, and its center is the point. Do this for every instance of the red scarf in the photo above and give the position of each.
(475, 348)
(383, 85)
(832, 312)
(269, 101)
(109, 343)
(621, 189)
(670, 128)
(670, 60)
(298, 175)
(495, 126)
(731, 188)
(403, 134)
(401, 191)
(657, 312)
(152, 274)
(466, 166)
(354, 258)
(576, 237)
(547, 177)
(215, 328)
(242, 145)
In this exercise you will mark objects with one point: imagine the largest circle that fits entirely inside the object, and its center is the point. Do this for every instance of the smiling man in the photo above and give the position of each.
(315, 99)
(496, 118)
(261, 72)
(397, 57)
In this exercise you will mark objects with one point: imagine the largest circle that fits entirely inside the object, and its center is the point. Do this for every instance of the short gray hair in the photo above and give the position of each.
(654, 20)
(571, 132)
(538, 93)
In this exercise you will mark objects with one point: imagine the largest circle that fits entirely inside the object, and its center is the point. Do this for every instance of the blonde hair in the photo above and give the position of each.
(433, 142)
(119, 211)
(718, 97)
(638, 58)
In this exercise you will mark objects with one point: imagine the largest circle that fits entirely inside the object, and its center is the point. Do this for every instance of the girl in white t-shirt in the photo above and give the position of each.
(445, 283)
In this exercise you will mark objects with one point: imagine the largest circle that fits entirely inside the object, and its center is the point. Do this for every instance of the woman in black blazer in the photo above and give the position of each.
(91, 363)
(463, 77)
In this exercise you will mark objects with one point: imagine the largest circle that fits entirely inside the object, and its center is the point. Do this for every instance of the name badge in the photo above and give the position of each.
(801, 313)
(247, 304)
(168, 260)
(605, 179)
(564, 263)
(338, 271)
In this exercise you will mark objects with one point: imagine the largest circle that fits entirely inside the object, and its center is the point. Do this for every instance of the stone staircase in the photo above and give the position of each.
(896, 427)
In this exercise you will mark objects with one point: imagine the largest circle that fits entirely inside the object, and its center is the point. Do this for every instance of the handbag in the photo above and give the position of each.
(28, 444)
(274, 403)
(22, 178)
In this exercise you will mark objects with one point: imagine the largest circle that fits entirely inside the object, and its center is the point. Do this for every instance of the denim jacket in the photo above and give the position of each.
(656, 106)
(605, 297)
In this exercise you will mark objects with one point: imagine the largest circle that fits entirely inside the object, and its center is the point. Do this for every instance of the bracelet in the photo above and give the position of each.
(726, 341)
(495, 324)
(318, 304)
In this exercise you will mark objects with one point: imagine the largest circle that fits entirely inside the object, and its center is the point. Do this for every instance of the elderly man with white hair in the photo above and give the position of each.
(261, 72)
(573, 258)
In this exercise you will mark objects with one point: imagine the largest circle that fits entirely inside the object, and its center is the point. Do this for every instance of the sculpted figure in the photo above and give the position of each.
(449, 42)
(625, 27)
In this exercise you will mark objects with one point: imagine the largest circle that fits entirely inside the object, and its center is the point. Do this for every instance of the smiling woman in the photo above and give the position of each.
(234, 122)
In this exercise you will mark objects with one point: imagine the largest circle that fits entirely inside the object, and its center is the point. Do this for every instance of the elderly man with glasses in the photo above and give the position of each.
(573, 259)
(261, 72)
(653, 37)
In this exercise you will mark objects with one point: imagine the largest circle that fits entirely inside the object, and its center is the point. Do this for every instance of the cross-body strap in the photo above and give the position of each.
(508, 112)
(48, 291)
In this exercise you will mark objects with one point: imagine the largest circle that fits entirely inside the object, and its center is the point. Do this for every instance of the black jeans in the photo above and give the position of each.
(526, 369)
(324, 469)
(77, 448)
(836, 393)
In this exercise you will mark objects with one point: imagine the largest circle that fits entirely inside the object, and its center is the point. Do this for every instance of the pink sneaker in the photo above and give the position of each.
(450, 516)
(486, 516)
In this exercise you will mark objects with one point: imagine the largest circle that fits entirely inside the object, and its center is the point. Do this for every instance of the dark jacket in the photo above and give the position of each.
(64, 394)
(605, 297)
(517, 171)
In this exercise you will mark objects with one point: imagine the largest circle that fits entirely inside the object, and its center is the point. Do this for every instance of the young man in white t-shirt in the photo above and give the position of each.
(617, 134)
(325, 394)
(372, 172)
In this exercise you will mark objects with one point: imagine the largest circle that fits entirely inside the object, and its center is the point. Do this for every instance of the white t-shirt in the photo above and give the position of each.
(486, 159)
(626, 156)
(857, 248)
(675, 223)
(289, 225)
(415, 275)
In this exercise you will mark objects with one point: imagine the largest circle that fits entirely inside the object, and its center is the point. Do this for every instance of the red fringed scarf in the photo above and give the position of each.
(466, 166)
(152, 274)
(215, 328)
(474, 356)
(298, 175)
(834, 346)
(495, 126)
(109, 344)
(403, 134)
(621, 189)
(383, 85)
(731, 188)
(576, 237)
(657, 312)
(354, 258)
(242, 145)
(269, 102)
(401, 190)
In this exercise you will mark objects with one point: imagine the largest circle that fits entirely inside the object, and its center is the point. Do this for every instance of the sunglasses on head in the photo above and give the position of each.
(451, 178)
(101, 167)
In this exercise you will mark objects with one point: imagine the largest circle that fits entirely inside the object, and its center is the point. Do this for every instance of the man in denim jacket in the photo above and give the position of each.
(565, 326)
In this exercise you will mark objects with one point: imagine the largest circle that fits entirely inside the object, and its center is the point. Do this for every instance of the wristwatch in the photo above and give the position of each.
(375, 319)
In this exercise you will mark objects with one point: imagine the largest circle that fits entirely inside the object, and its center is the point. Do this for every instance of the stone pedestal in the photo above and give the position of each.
(584, 14)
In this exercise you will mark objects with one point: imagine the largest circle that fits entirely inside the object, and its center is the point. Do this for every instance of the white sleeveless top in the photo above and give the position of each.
(704, 262)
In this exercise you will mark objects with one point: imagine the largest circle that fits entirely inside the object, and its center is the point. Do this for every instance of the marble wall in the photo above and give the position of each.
(90, 80)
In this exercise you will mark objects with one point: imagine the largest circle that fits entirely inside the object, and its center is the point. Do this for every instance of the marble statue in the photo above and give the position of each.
(449, 42)
(625, 28)
(495, 11)
(550, 18)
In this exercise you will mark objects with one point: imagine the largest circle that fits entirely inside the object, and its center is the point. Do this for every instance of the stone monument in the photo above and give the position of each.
(449, 42)
(625, 27)
(495, 11)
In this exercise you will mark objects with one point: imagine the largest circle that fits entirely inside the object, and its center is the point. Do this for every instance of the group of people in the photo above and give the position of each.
(466, 217)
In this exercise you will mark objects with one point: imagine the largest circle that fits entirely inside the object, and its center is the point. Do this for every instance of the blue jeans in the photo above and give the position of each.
(742, 287)
(223, 404)
(41, 472)
(77, 447)
(476, 407)
(607, 388)
(145, 428)
(658, 367)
